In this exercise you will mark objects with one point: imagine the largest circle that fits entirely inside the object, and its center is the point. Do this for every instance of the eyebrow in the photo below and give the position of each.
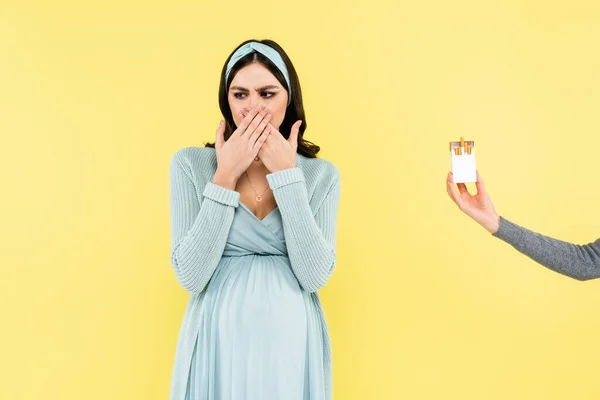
(260, 89)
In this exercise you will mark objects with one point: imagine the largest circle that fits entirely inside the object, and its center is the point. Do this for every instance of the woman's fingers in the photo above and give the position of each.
(262, 139)
(480, 185)
(247, 121)
(293, 138)
(462, 188)
(452, 192)
(220, 136)
(259, 129)
(460, 194)
(258, 118)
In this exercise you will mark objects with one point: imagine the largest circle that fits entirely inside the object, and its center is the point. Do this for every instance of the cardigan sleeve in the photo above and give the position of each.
(578, 262)
(199, 229)
(310, 237)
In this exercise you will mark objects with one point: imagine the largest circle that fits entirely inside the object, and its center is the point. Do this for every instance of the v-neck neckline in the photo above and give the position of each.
(245, 207)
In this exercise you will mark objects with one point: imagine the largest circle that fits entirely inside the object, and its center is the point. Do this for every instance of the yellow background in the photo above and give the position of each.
(95, 98)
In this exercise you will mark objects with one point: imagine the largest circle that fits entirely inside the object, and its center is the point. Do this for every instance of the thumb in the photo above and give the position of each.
(480, 185)
(220, 135)
(293, 139)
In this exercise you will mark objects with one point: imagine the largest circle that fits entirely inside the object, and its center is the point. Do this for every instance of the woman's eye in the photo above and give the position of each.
(267, 94)
(239, 95)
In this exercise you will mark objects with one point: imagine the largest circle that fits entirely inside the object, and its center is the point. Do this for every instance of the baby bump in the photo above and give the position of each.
(257, 298)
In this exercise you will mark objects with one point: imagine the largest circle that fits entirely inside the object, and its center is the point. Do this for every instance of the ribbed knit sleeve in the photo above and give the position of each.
(199, 230)
(578, 262)
(310, 237)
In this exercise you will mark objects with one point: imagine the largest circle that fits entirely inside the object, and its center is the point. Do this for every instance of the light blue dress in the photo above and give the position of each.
(245, 334)
(260, 334)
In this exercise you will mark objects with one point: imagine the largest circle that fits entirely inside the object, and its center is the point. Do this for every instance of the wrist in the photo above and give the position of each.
(286, 166)
(493, 224)
(226, 180)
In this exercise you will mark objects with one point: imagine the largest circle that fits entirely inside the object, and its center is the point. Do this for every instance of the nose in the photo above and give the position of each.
(256, 100)
(256, 105)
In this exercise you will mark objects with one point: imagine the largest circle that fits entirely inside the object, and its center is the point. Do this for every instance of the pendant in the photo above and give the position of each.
(256, 158)
(258, 198)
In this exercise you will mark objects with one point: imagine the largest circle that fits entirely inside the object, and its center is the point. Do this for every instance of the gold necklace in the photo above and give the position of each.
(258, 197)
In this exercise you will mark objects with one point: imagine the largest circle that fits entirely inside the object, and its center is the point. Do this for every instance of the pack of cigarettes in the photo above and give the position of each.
(463, 161)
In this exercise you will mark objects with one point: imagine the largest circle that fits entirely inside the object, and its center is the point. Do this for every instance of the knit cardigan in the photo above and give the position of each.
(202, 212)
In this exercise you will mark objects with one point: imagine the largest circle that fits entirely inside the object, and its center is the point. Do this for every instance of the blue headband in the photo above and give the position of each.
(266, 51)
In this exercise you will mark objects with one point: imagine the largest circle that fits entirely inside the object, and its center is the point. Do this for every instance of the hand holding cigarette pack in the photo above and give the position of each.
(463, 161)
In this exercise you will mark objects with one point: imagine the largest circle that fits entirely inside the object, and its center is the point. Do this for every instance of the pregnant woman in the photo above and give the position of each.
(253, 224)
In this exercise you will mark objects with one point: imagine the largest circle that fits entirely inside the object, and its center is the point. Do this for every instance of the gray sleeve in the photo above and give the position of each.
(578, 262)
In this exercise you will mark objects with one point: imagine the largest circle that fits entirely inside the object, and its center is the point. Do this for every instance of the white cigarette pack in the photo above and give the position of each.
(462, 154)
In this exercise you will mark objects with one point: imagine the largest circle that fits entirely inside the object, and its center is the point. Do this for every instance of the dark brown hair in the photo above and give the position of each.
(295, 109)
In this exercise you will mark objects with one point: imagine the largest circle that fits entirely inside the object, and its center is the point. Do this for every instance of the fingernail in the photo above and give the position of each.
(269, 116)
